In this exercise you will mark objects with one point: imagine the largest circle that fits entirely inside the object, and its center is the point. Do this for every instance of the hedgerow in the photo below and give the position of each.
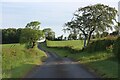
(100, 45)
(116, 48)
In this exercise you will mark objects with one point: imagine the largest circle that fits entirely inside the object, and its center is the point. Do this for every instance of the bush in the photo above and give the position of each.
(116, 47)
(100, 45)
(43, 58)
(28, 45)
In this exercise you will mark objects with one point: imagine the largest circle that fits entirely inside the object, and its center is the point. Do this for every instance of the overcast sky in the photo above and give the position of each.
(17, 13)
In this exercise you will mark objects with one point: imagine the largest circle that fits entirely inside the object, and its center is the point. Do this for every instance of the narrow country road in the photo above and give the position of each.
(57, 67)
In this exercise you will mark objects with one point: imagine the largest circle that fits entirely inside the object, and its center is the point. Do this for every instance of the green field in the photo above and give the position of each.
(17, 60)
(74, 44)
(0, 61)
(102, 63)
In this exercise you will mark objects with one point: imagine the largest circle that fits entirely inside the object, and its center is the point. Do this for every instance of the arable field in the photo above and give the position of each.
(74, 44)
(17, 60)
(103, 63)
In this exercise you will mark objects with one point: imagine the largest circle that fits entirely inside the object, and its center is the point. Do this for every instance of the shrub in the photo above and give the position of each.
(116, 47)
(43, 58)
(100, 45)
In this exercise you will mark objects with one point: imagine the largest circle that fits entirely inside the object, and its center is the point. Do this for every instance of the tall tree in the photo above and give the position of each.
(94, 18)
(31, 34)
(100, 17)
(29, 37)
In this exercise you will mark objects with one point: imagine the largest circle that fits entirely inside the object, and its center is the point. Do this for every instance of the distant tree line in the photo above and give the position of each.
(11, 35)
(80, 36)
(28, 35)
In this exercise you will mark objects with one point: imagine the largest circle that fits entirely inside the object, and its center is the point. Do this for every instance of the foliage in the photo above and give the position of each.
(49, 34)
(100, 45)
(100, 62)
(116, 48)
(104, 34)
(17, 60)
(94, 18)
(60, 38)
(11, 35)
(72, 37)
(31, 34)
(33, 25)
(114, 33)
(29, 37)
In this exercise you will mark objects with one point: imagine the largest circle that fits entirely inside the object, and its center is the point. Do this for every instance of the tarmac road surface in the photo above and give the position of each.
(57, 67)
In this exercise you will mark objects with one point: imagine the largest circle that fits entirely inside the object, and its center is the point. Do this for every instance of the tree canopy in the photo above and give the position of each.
(91, 19)
(33, 25)
(11, 35)
(49, 34)
(30, 34)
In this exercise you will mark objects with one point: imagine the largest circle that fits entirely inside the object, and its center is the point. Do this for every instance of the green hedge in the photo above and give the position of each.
(100, 45)
(116, 48)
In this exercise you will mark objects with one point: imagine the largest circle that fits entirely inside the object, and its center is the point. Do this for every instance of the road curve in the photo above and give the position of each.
(57, 67)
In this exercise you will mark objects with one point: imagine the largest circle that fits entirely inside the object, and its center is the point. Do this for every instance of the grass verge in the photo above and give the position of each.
(102, 63)
(17, 60)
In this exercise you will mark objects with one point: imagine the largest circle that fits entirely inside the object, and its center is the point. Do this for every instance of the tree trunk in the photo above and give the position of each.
(85, 39)
(33, 44)
(89, 38)
(85, 42)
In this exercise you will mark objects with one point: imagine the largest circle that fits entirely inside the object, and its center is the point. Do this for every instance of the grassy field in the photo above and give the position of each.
(17, 60)
(103, 63)
(0, 61)
(74, 44)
